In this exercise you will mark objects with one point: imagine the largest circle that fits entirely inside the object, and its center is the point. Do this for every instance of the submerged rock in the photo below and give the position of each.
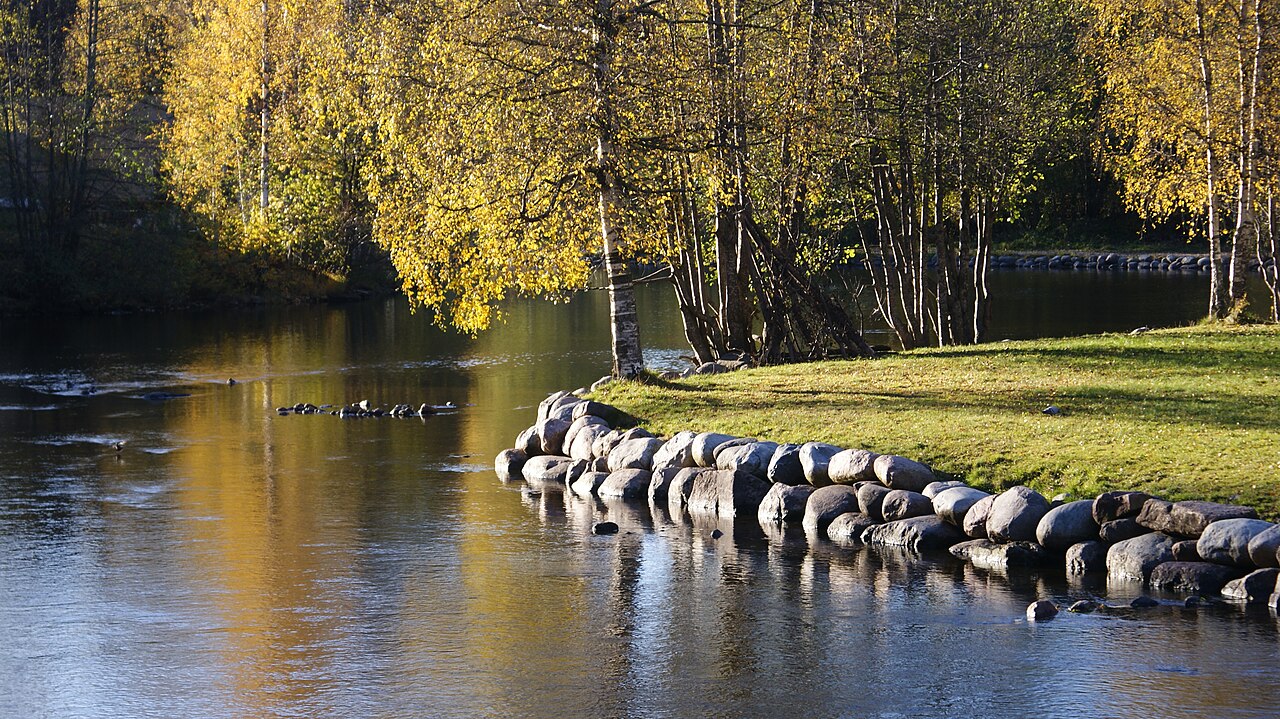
(848, 527)
(986, 554)
(919, 534)
(509, 463)
(784, 503)
(1042, 610)
(604, 528)
(827, 503)
(1192, 577)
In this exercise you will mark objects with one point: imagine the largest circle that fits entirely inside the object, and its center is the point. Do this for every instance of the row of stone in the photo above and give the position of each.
(858, 496)
(363, 409)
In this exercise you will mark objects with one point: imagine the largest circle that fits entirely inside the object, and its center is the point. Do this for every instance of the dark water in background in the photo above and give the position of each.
(233, 563)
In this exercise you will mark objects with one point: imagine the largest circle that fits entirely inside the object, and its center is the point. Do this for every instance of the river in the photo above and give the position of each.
(230, 562)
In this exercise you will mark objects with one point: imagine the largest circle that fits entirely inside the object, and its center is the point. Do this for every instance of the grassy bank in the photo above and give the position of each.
(1185, 414)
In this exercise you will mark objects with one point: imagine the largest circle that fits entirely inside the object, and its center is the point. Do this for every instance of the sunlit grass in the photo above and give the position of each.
(1186, 413)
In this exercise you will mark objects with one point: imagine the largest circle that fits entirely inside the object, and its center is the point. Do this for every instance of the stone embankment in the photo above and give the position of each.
(1110, 261)
(1190, 549)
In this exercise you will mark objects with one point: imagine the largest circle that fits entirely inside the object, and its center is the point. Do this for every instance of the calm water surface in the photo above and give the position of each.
(230, 562)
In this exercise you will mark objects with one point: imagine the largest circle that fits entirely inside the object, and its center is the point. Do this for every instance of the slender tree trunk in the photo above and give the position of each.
(264, 178)
(1216, 289)
(1245, 238)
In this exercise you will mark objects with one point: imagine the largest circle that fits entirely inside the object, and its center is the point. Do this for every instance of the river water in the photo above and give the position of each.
(230, 562)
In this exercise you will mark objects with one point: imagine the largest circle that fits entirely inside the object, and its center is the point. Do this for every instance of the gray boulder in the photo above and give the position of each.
(936, 488)
(784, 503)
(625, 484)
(603, 444)
(611, 415)
(1086, 557)
(975, 520)
(954, 502)
(1015, 514)
(987, 554)
(784, 465)
(1185, 551)
(1133, 559)
(852, 465)
(660, 483)
(1110, 506)
(552, 431)
(676, 452)
(827, 503)
(752, 458)
(577, 425)
(530, 442)
(1264, 548)
(546, 468)
(1042, 611)
(1067, 524)
(1118, 530)
(704, 447)
(680, 488)
(588, 483)
(727, 493)
(815, 457)
(544, 407)
(509, 463)
(1189, 519)
(634, 454)
(562, 409)
(1253, 588)
(901, 504)
(1227, 541)
(1201, 578)
(919, 534)
(897, 472)
(586, 439)
(871, 499)
(848, 527)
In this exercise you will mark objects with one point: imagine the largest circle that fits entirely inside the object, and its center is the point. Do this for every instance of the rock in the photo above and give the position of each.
(936, 488)
(871, 499)
(901, 504)
(611, 415)
(727, 493)
(814, 460)
(549, 468)
(1144, 603)
(509, 463)
(1086, 557)
(603, 444)
(784, 465)
(634, 454)
(680, 488)
(660, 483)
(919, 534)
(676, 452)
(1133, 559)
(1193, 601)
(562, 408)
(1188, 519)
(1185, 551)
(827, 503)
(710, 368)
(529, 441)
(637, 433)
(704, 447)
(1042, 611)
(1227, 541)
(975, 520)
(716, 534)
(1067, 524)
(1084, 606)
(587, 484)
(1110, 506)
(553, 431)
(852, 465)
(601, 383)
(987, 554)
(585, 440)
(897, 472)
(954, 502)
(1015, 514)
(626, 484)
(577, 426)
(784, 503)
(848, 527)
(1121, 529)
(604, 528)
(1253, 588)
(1264, 548)
(544, 407)
(752, 458)
(1192, 577)
(600, 464)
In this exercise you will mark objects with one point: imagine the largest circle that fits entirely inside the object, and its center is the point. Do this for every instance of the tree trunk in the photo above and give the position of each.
(265, 120)
(1245, 239)
(1216, 309)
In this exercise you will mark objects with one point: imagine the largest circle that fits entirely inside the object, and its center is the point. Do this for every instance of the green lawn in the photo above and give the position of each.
(1185, 414)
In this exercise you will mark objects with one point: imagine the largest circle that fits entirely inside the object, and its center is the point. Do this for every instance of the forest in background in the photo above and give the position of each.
(176, 152)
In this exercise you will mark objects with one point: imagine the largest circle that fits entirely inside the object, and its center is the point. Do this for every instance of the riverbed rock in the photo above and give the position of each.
(1200, 578)
(827, 503)
(954, 502)
(919, 534)
(1015, 514)
(1042, 611)
(1189, 519)
(871, 499)
(1110, 506)
(634, 454)
(784, 503)
(1253, 588)
(815, 457)
(1086, 558)
(625, 484)
(676, 452)
(704, 447)
(1119, 530)
(784, 466)
(848, 527)
(530, 442)
(660, 483)
(1264, 548)
(587, 439)
(901, 504)
(727, 493)
(752, 458)
(1067, 524)
(549, 468)
(1186, 551)
(611, 415)
(587, 484)
(986, 554)
(975, 520)
(509, 463)
(936, 488)
(1227, 541)
(544, 407)
(1133, 559)
(552, 430)
(897, 472)
(852, 465)
(680, 488)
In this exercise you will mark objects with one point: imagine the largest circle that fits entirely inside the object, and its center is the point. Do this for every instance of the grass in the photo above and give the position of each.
(1183, 414)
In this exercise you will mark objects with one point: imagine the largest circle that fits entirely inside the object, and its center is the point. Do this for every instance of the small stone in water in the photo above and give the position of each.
(1084, 606)
(604, 528)
(716, 534)
(1144, 603)
(1192, 601)
(1042, 610)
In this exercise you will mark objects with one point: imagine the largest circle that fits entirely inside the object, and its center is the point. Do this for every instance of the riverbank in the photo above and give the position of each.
(1183, 413)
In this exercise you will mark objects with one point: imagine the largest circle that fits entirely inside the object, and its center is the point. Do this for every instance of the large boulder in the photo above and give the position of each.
(1188, 519)
(752, 458)
(625, 484)
(577, 426)
(613, 416)
(676, 452)
(1110, 506)
(784, 503)
(634, 454)
(1118, 530)
(1253, 588)
(987, 554)
(546, 468)
(975, 520)
(1086, 557)
(1185, 551)
(588, 483)
(509, 463)
(587, 439)
(901, 504)
(1067, 524)
(936, 488)
(544, 407)
(871, 499)
(530, 442)
(552, 430)
(562, 409)
(897, 472)
(660, 483)
(918, 534)
(1133, 559)
(827, 503)
(1264, 548)
(680, 488)
(704, 447)
(727, 493)
(603, 444)
(815, 457)
(1198, 578)
(784, 465)
(1015, 514)
(953, 503)
(1227, 542)
(852, 465)
(848, 527)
